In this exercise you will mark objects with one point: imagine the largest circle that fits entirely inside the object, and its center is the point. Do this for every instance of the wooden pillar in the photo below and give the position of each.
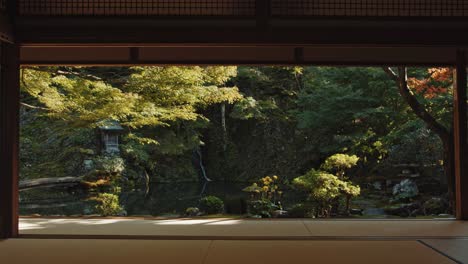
(460, 133)
(9, 139)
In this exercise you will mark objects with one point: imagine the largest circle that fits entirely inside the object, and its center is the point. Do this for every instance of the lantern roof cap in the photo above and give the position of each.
(110, 125)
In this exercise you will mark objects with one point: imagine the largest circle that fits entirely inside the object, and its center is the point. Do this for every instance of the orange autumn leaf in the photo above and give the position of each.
(437, 83)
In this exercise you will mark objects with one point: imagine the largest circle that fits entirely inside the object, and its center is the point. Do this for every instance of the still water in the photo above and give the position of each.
(166, 200)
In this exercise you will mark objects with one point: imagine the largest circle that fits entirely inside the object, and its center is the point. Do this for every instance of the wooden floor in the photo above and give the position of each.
(236, 241)
(225, 228)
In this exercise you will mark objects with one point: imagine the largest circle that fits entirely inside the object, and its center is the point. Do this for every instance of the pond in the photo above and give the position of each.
(165, 200)
(172, 200)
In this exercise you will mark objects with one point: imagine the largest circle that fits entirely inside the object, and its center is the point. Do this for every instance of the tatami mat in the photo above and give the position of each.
(330, 252)
(457, 249)
(389, 228)
(47, 251)
(245, 228)
(237, 241)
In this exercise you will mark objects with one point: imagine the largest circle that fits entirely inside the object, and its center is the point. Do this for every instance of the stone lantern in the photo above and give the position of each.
(110, 131)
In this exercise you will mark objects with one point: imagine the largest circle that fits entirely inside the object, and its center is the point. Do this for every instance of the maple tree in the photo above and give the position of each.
(438, 83)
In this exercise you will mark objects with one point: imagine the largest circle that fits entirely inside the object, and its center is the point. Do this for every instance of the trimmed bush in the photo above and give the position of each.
(108, 204)
(192, 211)
(211, 205)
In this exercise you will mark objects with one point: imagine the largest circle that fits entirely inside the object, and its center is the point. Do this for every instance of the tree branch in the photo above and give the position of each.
(391, 74)
(402, 82)
(66, 72)
(32, 106)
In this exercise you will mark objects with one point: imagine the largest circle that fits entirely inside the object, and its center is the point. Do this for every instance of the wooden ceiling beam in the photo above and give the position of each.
(252, 55)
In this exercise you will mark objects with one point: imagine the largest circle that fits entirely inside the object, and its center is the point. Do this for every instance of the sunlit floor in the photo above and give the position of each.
(237, 241)
(238, 228)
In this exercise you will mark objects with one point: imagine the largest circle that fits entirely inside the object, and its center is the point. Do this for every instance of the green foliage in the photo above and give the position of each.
(219, 75)
(110, 164)
(262, 134)
(324, 188)
(175, 93)
(281, 120)
(161, 107)
(211, 205)
(265, 196)
(321, 186)
(349, 110)
(262, 207)
(414, 143)
(266, 188)
(249, 108)
(108, 204)
(78, 102)
(435, 206)
(192, 211)
(339, 163)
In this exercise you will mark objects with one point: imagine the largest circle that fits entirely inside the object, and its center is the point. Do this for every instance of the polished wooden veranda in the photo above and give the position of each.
(243, 228)
(238, 241)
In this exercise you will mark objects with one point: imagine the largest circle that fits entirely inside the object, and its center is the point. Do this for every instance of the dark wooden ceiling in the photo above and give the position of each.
(240, 31)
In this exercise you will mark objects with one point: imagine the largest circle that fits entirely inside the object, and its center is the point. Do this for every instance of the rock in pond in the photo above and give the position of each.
(280, 214)
(405, 189)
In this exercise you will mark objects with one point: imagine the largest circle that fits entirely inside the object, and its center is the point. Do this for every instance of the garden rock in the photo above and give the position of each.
(405, 189)
(280, 214)
(122, 213)
(435, 206)
(356, 211)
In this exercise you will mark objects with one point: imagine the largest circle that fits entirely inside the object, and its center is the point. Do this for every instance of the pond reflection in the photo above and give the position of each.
(165, 200)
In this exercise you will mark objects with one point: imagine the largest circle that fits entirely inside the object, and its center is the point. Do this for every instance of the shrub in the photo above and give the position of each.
(211, 205)
(265, 196)
(320, 185)
(339, 163)
(262, 207)
(108, 204)
(192, 211)
(266, 188)
(324, 188)
(110, 164)
(435, 206)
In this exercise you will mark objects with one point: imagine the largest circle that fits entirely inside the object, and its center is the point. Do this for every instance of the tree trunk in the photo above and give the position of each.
(49, 182)
(348, 199)
(449, 168)
(445, 135)
(223, 125)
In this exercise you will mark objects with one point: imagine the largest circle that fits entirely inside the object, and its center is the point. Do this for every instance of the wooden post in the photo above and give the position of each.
(460, 133)
(9, 139)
